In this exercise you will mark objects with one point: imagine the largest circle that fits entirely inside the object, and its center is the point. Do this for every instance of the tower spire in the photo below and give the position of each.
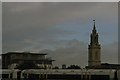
(94, 28)
(94, 25)
(94, 58)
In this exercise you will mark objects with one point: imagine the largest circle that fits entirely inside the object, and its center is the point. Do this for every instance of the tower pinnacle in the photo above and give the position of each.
(94, 36)
(94, 28)
(94, 23)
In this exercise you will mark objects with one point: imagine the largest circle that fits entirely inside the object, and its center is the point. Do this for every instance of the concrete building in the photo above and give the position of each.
(24, 60)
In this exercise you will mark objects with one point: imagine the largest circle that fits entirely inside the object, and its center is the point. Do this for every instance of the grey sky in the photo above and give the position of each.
(61, 29)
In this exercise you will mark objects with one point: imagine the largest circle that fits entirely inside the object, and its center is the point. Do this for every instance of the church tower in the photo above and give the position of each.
(94, 49)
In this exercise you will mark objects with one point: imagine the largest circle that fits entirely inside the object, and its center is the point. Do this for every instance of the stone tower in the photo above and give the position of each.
(94, 49)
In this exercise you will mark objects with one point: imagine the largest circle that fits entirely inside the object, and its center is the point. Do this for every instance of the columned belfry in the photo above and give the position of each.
(94, 49)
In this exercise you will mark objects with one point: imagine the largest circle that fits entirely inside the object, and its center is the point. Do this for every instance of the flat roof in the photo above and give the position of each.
(31, 53)
(108, 64)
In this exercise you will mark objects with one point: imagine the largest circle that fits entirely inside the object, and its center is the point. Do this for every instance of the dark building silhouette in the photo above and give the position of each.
(64, 66)
(25, 60)
(73, 67)
(110, 66)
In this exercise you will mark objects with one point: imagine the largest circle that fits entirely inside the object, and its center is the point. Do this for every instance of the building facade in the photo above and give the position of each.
(25, 60)
(94, 49)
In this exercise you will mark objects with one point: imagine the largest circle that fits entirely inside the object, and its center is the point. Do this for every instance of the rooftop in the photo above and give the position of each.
(31, 53)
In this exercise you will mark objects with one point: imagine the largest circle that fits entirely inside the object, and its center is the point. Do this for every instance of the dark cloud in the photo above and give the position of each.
(38, 26)
(70, 52)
